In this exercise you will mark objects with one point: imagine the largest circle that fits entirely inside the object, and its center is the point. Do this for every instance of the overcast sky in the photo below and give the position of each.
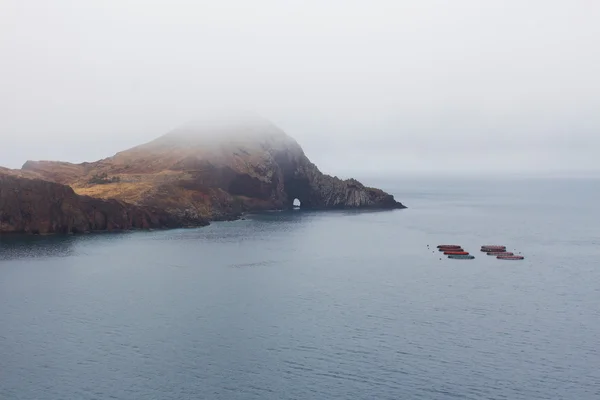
(366, 87)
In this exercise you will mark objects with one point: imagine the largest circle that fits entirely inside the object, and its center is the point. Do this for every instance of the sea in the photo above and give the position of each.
(318, 304)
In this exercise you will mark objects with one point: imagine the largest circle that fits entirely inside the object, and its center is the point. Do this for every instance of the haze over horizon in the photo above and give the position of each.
(366, 88)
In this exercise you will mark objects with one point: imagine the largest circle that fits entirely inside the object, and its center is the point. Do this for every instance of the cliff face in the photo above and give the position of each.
(215, 170)
(203, 171)
(304, 181)
(42, 207)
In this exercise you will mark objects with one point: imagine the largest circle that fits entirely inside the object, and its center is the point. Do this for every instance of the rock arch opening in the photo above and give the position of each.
(298, 191)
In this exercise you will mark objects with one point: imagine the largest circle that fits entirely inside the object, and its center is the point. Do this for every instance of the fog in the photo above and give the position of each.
(366, 87)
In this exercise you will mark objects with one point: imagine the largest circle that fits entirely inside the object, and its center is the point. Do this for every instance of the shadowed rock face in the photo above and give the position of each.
(212, 170)
(303, 180)
(41, 207)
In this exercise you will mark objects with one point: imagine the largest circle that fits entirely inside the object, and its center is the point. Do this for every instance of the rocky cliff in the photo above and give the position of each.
(211, 170)
(40, 207)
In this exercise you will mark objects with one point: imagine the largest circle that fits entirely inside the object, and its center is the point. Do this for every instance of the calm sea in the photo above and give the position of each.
(318, 305)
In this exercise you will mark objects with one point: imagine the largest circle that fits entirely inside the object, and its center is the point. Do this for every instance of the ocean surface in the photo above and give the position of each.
(318, 305)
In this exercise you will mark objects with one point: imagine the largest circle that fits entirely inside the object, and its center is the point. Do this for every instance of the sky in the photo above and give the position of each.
(366, 87)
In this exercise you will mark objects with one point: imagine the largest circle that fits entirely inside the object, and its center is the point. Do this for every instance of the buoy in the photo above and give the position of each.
(450, 246)
(456, 253)
(461, 257)
(500, 253)
(510, 257)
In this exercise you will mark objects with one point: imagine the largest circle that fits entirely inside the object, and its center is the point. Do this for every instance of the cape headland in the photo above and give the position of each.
(203, 171)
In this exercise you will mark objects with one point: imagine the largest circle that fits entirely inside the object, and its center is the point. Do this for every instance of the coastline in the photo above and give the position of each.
(230, 218)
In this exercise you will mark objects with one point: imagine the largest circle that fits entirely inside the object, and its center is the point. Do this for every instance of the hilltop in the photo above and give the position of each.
(210, 170)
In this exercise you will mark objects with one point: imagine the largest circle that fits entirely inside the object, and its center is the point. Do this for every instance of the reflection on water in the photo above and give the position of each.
(23, 246)
(256, 226)
(14, 247)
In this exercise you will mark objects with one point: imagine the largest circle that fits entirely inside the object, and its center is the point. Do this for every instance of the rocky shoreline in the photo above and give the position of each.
(34, 206)
(186, 178)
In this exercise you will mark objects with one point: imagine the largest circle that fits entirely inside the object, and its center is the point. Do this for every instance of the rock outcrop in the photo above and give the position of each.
(35, 206)
(212, 170)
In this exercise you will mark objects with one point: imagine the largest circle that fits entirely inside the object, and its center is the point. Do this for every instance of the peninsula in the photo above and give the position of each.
(203, 171)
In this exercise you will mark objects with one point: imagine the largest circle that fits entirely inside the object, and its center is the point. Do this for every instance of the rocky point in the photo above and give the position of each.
(207, 170)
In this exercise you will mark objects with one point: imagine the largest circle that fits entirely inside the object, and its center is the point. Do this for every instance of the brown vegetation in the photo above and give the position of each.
(194, 174)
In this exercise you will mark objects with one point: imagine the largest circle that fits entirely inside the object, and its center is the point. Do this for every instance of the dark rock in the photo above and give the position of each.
(40, 207)
(193, 174)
